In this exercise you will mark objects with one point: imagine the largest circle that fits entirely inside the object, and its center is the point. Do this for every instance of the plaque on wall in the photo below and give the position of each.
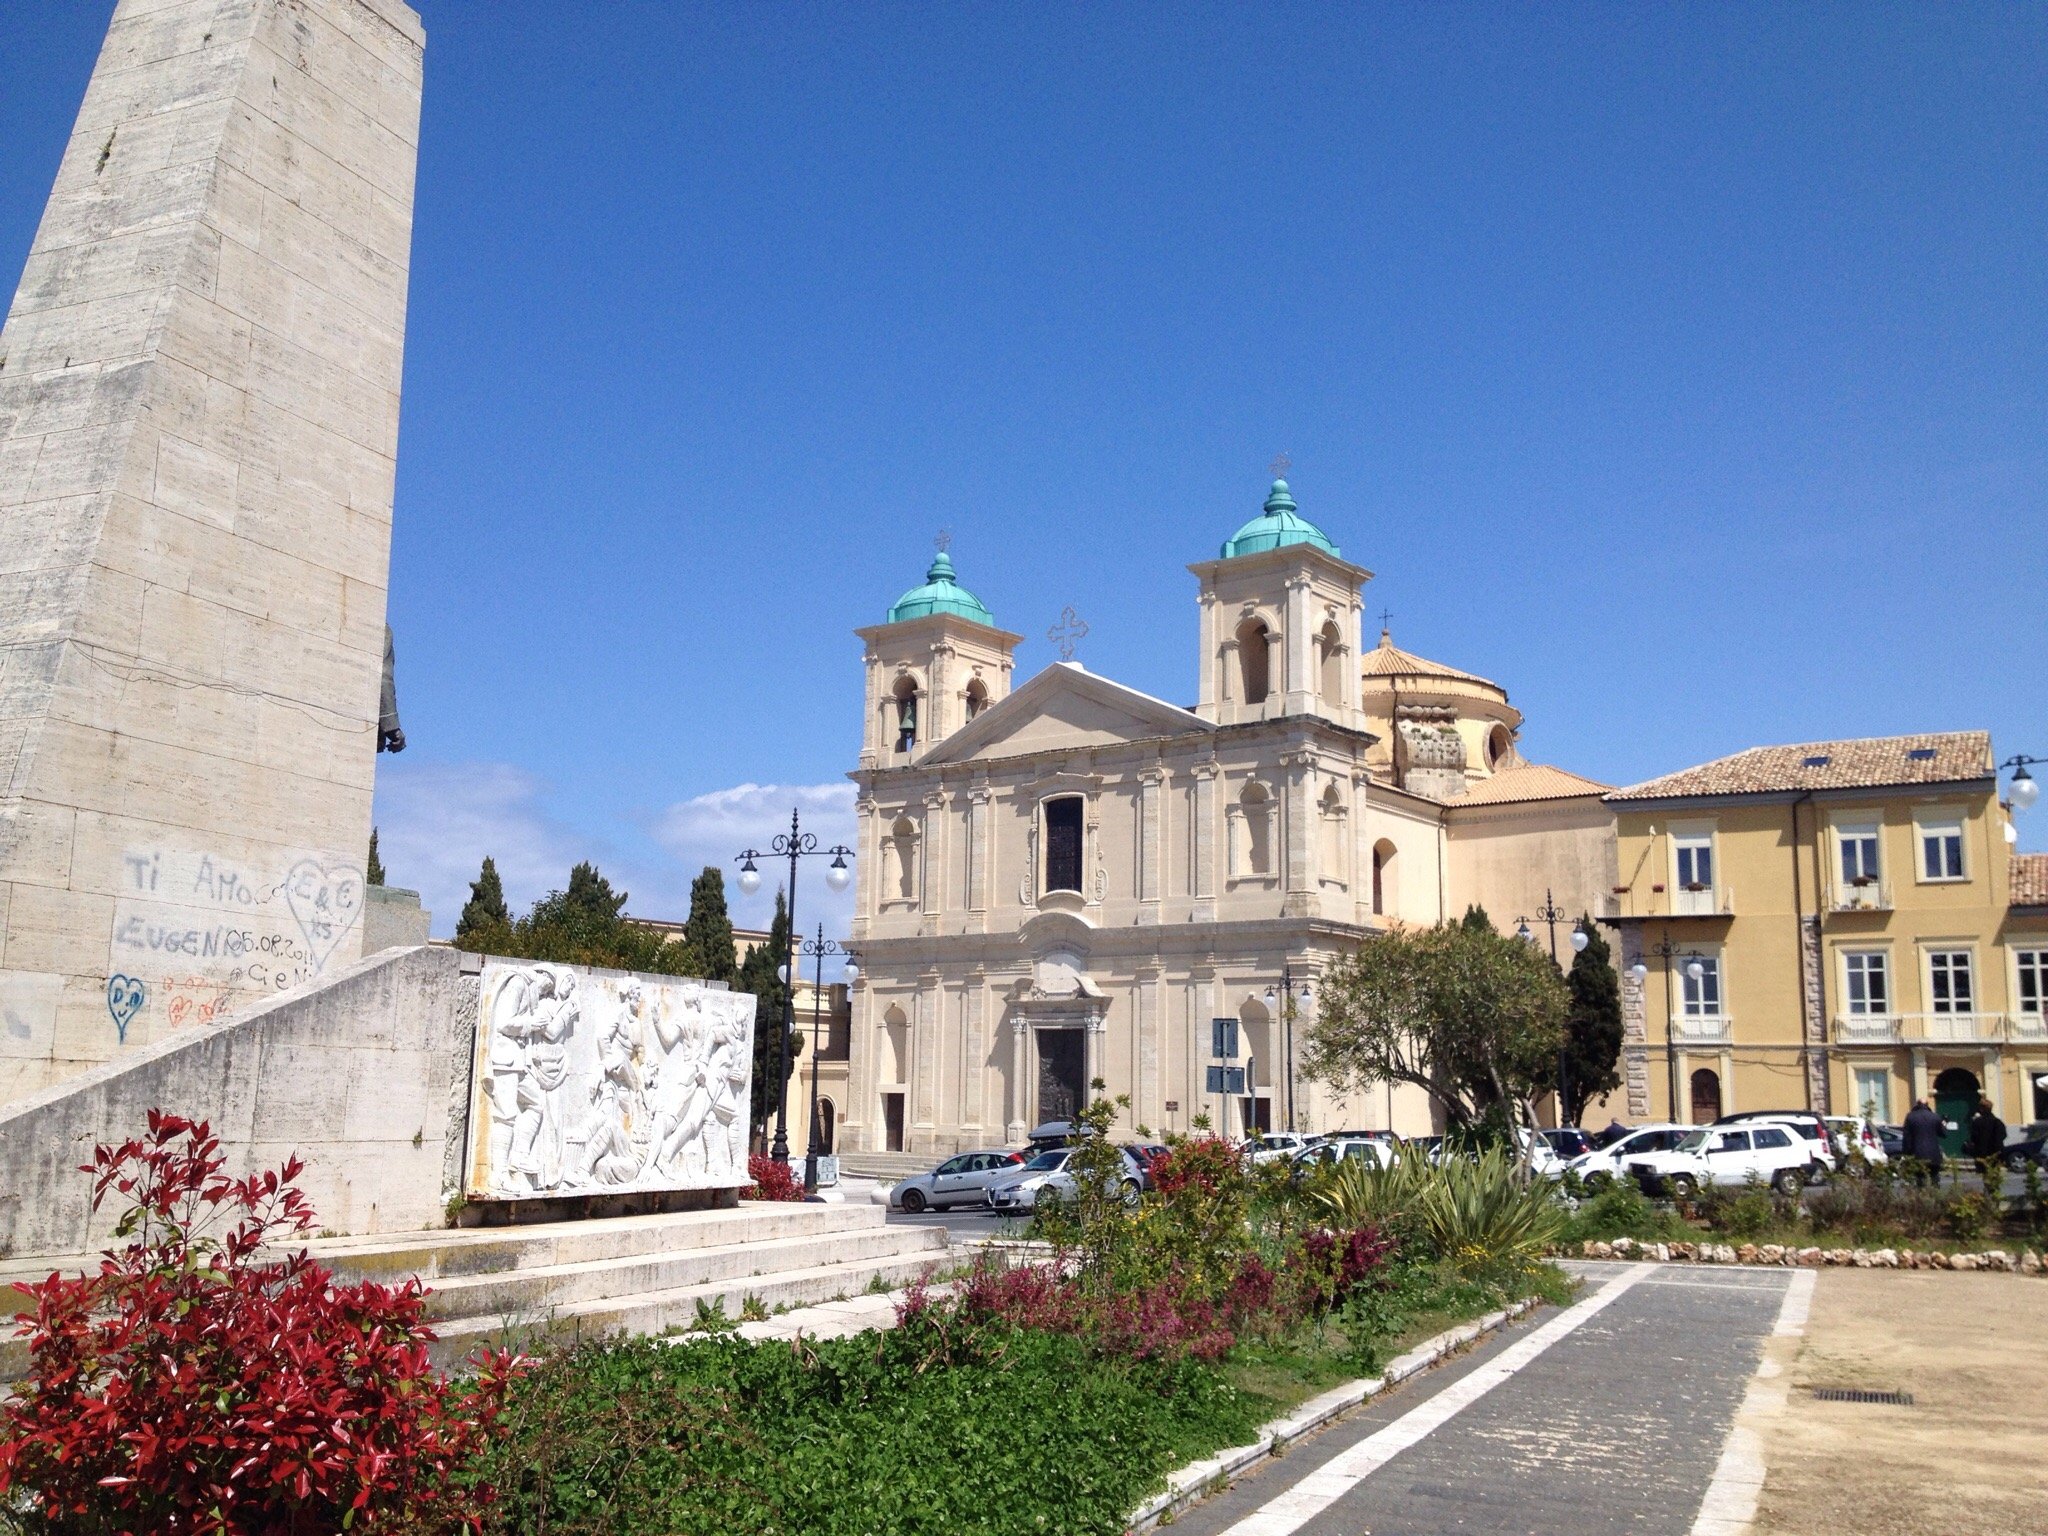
(606, 1082)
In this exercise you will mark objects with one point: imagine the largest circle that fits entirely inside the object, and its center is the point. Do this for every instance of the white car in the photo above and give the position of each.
(1370, 1150)
(1019, 1190)
(1853, 1133)
(1604, 1164)
(1275, 1146)
(1729, 1155)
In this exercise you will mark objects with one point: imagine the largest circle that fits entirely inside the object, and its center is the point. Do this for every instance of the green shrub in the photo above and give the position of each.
(1475, 1213)
(1620, 1209)
(1971, 1214)
(909, 1432)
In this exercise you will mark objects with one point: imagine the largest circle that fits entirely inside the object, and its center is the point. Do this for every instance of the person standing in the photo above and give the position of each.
(1987, 1139)
(1922, 1135)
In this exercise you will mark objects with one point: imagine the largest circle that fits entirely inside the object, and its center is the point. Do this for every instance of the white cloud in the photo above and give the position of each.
(712, 828)
(436, 821)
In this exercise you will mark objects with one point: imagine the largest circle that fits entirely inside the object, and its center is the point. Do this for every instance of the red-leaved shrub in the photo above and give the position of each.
(772, 1180)
(197, 1385)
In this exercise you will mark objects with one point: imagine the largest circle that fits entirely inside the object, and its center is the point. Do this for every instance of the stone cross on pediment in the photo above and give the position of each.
(1071, 630)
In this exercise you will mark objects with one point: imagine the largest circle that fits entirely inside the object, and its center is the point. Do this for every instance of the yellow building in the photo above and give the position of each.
(1840, 926)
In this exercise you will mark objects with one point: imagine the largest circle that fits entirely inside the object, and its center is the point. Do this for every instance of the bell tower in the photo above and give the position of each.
(1281, 616)
(936, 663)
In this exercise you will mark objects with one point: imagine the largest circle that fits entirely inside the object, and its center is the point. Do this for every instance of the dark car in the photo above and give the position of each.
(2032, 1149)
(1568, 1141)
(1893, 1139)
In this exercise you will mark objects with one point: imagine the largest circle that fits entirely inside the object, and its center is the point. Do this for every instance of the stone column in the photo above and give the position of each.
(1023, 1074)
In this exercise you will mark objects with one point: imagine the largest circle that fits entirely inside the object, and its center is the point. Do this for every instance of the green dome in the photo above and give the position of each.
(942, 594)
(1278, 524)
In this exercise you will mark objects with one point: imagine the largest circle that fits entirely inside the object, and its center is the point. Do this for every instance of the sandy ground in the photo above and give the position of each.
(1969, 1458)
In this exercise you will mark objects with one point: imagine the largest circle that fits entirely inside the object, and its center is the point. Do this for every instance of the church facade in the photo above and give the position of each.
(1070, 879)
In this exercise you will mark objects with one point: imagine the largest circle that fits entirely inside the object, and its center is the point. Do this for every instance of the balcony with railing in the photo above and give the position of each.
(1868, 893)
(1935, 1029)
(1716, 900)
(1703, 1029)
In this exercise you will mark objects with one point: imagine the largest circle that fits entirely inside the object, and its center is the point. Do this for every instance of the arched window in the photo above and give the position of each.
(1330, 659)
(1500, 742)
(1063, 843)
(1386, 890)
(1335, 824)
(977, 698)
(1254, 655)
(903, 845)
(906, 713)
(1256, 809)
(1706, 1096)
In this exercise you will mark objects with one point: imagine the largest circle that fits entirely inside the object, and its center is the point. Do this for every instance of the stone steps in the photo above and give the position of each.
(637, 1274)
(526, 1290)
(678, 1308)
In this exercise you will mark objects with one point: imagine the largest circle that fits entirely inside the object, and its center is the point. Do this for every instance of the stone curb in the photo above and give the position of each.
(1786, 1256)
(1198, 1479)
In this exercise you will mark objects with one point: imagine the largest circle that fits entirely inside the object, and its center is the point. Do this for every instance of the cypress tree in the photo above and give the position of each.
(1475, 920)
(757, 975)
(707, 935)
(1592, 1039)
(485, 909)
(374, 874)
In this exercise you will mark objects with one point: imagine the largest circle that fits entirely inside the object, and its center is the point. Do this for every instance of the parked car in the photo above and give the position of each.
(1727, 1155)
(2029, 1146)
(1602, 1165)
(1854, 1135)
(1148, 1155)
(1812, 1129)
(1893, 1139)
(961, 1180)
(1568, 1141)
(1046, 1176)
(1374, 1151)
(1276, 1146)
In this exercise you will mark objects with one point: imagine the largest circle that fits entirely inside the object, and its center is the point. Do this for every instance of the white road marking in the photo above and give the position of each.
(1328, 1483)
(1730, 1503)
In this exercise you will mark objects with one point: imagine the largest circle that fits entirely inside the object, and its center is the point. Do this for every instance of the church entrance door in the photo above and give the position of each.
(1062, 1063)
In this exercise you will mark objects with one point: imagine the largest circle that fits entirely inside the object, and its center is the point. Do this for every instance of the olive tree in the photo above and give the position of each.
(1470, 1016)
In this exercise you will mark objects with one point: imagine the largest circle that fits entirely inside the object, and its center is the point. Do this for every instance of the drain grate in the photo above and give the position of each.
(1859, 1395)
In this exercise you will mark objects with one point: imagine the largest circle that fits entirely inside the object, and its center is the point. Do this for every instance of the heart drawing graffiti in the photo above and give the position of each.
(325, 901)
(125, 997)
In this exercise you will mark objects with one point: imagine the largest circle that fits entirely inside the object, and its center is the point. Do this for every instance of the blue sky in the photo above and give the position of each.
(1683, 368)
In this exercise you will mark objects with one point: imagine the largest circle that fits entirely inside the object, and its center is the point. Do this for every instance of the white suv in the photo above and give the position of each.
(1728, 1155)
(1610, 1162)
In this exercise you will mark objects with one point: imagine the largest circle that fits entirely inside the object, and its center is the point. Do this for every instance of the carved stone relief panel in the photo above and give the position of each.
(606, 1082)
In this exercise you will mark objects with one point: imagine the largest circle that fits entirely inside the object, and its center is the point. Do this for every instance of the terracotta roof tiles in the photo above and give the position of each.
(2030, 879)
(1866, 763)
(1528, 781)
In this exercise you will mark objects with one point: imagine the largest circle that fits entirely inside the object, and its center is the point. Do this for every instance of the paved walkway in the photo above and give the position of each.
(1610, 1416)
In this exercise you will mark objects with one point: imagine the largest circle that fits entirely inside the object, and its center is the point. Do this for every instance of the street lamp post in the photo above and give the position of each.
(792, 845)
(2024, 790)
(1286, 1000)
(1695, 967)
(818, 949)
(1550, 914)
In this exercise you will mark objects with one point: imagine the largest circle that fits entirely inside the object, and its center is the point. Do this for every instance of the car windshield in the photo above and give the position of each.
(1046, 1162)
(1692, 1141)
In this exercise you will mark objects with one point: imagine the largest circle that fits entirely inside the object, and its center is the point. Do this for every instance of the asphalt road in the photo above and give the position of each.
(1607, 1417)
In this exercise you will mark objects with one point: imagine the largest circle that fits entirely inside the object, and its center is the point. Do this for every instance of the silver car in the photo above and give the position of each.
(961, 1180)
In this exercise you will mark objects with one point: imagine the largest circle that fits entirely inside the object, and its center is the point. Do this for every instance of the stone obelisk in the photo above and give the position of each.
(199, 384)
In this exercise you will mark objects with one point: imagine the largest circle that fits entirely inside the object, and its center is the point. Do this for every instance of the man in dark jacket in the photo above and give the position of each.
(1922, 1135)
(1987, 1135)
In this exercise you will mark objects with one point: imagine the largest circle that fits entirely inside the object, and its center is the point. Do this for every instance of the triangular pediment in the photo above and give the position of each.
(1064, 707)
